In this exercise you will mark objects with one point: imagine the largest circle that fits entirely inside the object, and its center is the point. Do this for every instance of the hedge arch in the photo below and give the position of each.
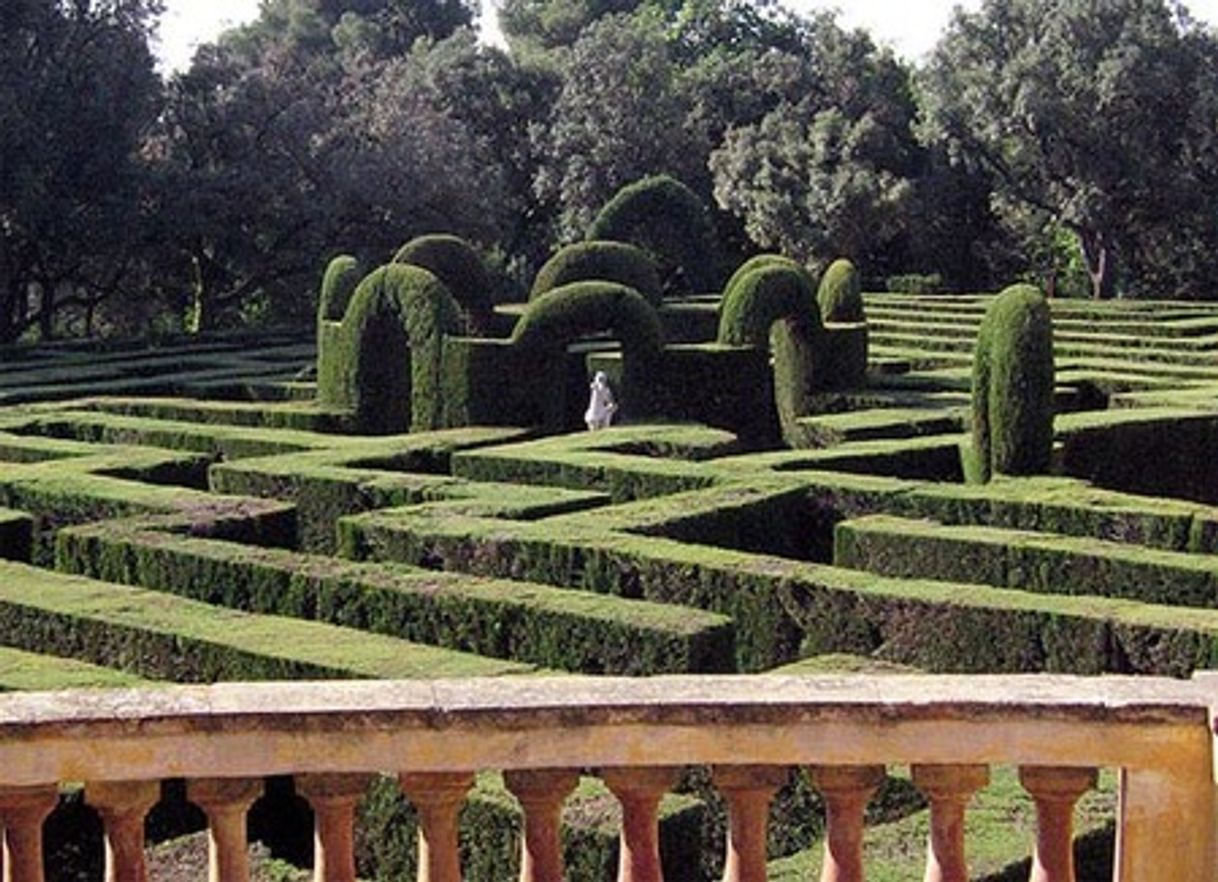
(387, 362)
(561, 316)
(665, 217)
(1013, 380)
(604, 261)
(337, 285)
(755, 299)
(459, 266)
(772, 305)
(840, 293)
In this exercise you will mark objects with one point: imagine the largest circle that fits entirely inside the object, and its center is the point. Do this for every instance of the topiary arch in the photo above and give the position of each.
(665, 217)
(564, 315)
(458, 265)
(772, 305)
(387, 357)
(605, 261)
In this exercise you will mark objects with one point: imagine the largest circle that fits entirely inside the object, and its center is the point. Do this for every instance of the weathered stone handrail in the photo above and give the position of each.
(636, 733)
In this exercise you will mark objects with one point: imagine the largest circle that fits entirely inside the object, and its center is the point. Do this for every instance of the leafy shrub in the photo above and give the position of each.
(915, 283)
(839, 293)
(665, 217)
(1013, 387)
(605, 261)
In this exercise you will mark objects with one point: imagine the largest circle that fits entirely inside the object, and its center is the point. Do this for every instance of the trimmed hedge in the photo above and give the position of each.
(771, 307)
(602, 261)
(1154, 451)
(1013, 387)
(1030, 561)
(839, 293)
(388, 354)
(459, 266)
(556, 628)
(338, 283)
(563, 315)
(161, 636)
(666, 218)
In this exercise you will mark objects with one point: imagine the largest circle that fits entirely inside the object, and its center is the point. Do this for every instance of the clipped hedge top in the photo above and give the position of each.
(604, 261)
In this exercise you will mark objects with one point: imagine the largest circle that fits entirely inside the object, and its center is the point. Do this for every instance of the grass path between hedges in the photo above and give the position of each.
(1001, 829)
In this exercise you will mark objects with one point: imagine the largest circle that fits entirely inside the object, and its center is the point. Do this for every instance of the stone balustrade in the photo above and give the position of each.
(637, 734)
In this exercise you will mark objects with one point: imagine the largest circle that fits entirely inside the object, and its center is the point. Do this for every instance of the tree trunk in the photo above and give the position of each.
(46, 310)
(1099, 255)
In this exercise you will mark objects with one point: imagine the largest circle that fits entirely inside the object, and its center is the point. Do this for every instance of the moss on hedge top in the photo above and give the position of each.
(604, 261)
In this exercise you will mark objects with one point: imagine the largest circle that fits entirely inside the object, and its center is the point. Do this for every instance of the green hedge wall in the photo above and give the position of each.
(602, 261)
(560, 629)
(338, 283)
(166, 637)
(1031, 561)
(665, 217)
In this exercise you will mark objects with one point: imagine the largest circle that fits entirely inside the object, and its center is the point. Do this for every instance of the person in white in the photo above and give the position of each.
(601, 406)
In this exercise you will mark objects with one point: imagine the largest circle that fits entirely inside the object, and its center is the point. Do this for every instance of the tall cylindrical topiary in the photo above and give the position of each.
(840, 293)
(604, 261)
(1013, 387)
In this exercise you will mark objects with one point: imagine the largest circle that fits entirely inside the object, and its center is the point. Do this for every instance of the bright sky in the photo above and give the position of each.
(909, 26)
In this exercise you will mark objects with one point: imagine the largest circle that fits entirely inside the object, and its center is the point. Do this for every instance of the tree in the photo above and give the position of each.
(826, 173)
(619, 117)
(77, 92)
(1093, 115)
(282, 156)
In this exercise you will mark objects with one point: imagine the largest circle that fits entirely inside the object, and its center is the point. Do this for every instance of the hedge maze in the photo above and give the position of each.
(786, 493)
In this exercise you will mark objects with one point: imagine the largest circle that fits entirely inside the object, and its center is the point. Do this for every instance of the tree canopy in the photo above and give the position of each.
(1069, 140)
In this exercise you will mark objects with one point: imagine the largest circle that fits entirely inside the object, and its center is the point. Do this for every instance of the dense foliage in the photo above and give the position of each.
(1067, 141)
(1012, 399)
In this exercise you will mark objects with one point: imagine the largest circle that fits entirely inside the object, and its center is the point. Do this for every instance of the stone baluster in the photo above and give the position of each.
(640, 790)
(122, 806)
(949, 788)
(437, 796)
(748, 791)
(226, 802)
(22, 813)
(846, 790)
(541, 793)
(1055, 790)
(333, 799)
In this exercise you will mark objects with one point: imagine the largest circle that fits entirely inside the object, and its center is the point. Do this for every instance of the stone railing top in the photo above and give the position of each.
(661, 700)
(254, 729)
